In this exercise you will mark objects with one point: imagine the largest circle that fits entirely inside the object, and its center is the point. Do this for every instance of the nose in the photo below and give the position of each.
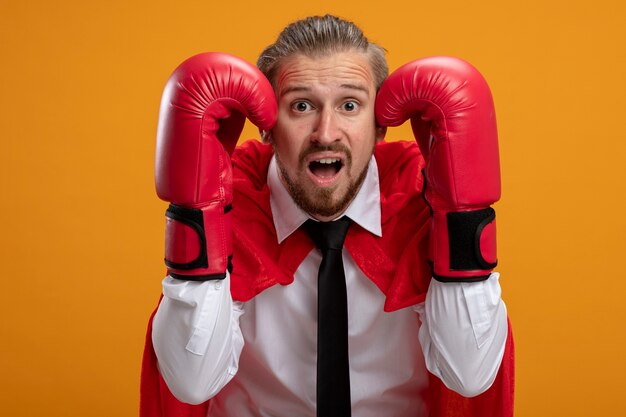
(327, 129)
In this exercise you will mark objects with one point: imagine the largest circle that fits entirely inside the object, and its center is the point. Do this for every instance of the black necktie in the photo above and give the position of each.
(333, 371)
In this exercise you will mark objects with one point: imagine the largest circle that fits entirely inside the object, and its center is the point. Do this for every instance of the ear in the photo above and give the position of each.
(381, 131)
(266, 136)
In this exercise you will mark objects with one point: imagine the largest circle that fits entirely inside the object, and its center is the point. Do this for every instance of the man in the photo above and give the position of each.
(239, 344)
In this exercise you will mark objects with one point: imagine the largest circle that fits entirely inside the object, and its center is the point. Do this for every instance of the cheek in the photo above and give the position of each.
(287, 153)
(288, 141)
(362, 153)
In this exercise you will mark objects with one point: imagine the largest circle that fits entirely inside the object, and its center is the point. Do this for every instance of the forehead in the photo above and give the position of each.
(299, 72)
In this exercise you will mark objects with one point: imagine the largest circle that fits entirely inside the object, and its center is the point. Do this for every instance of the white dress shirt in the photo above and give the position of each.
(258, 358)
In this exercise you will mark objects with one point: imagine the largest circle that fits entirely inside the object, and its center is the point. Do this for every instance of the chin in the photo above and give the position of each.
(326, 203)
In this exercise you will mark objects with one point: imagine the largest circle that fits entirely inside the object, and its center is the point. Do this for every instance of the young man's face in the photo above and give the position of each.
(326, 129)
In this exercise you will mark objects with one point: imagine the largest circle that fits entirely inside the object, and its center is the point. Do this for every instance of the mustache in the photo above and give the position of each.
(335, 147)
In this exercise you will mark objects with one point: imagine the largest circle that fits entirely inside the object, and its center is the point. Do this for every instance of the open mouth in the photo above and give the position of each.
(326, 167)
(325, 170)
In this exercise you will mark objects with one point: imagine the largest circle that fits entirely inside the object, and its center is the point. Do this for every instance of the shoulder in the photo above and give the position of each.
(400, 166)
(251, 161)
(393, 154)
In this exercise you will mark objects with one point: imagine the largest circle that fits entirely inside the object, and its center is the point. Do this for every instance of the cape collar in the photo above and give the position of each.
(395, 260)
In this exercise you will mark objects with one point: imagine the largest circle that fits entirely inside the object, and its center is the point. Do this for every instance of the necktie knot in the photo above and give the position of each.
(328, 235)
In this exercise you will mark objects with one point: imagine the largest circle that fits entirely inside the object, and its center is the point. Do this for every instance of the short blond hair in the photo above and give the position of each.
(319, 36)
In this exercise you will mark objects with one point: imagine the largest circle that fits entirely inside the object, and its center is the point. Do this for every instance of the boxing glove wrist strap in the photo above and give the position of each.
(471, 245)
(187, 254)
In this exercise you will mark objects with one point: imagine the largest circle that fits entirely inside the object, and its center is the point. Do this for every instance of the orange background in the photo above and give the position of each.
(82, 229)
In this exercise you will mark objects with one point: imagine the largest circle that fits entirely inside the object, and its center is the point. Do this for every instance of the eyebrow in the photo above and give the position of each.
(356, 87)
(298, 88)
(294, 88)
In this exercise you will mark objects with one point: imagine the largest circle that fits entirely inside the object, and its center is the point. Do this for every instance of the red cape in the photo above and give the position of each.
(396, 263)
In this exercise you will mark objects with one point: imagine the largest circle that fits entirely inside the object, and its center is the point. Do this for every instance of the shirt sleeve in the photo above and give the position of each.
(196, 337)
(463, 333)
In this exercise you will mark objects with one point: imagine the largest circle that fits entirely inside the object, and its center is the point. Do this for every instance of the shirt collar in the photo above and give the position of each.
(364, 209)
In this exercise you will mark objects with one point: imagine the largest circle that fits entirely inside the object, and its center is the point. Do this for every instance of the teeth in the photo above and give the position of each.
(328, 160)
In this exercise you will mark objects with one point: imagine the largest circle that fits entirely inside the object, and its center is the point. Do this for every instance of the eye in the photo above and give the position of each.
(301, 106)
(350, 106)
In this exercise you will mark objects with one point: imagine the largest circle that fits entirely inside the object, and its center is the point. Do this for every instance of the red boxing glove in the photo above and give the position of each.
(454, 123)
(203, 110)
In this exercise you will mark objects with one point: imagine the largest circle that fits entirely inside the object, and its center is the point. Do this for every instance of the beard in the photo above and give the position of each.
(320, 201)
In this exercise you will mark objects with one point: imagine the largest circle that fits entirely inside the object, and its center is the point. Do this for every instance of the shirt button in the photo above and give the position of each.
(218, 285)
